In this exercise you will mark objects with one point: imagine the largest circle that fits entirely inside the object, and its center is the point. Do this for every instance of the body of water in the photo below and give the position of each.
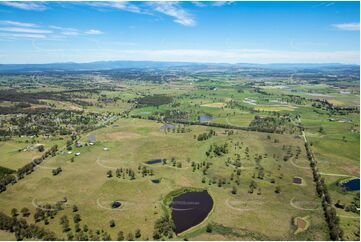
(190, 209)
(352, 185)
(204, 118)
(152, 162)
(156, 181)
(168, 126)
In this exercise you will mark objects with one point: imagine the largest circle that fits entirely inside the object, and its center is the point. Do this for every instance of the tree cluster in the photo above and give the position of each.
(23, 230)
(163, 228)
(205, 136)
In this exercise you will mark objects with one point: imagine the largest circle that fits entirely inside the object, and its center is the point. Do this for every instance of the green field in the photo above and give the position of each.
(258, 123)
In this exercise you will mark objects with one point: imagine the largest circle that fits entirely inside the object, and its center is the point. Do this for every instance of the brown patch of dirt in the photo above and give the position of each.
(301, 223)
(121, 135)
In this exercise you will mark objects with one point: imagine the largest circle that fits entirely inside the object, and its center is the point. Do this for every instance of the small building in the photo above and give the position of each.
(91, 138)
(77, 154)
(78, 144)
(297, 180)
(106, 149)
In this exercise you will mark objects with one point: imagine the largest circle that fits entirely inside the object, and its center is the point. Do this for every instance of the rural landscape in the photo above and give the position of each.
(216, 150)
(102, 155)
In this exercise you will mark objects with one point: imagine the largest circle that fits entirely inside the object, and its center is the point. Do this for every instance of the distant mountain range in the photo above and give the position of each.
(110, 65)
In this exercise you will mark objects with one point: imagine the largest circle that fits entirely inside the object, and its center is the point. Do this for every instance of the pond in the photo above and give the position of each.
(352, 185)
(156, 181)
(168, 126)
(152, 162)
(116, 204)
(190, 209)
(205, 118)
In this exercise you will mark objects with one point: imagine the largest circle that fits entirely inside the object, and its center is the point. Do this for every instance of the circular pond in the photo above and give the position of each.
(190, 209)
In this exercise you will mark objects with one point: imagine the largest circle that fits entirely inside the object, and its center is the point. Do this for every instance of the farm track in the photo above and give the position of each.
(258, 203)
(299, 208)
(346, 216)
(334, 174)
(301, 167)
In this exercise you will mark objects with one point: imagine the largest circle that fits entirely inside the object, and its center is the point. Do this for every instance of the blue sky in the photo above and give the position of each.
(253, 32)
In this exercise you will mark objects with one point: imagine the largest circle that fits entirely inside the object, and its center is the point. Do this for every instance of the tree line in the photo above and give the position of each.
(332, 220)
(26, 169)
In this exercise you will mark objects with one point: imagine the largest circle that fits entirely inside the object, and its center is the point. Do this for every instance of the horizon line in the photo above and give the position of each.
(190, 62)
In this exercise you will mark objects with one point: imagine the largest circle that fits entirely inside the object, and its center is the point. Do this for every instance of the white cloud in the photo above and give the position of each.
(22, 36)
(37, 6)
(94, 32)
(348, 26)
(21, 30)
(199, 4)
(15, 23)
(25, 30)
(63, 28)
(70, 33)
(173, 9)
(203, 4)
(221, 3)
(117, 5)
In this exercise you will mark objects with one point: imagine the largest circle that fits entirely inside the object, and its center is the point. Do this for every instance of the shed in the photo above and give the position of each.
(91, 138)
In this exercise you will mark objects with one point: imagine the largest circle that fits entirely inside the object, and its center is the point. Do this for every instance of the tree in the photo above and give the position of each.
(209, 228)
(38, 215)
(14, 212)
(76, 218)
(77, 227)
(25, 212)
(85, 228)
(75, 209)
(120, 236)
(321, 130)
(112, 223)
(106, 236)
(278, 189)
(41, 148)
(130, 237)
(64, 221)
(70, 236)
(137, 233)
(156, 235)
(109, 173)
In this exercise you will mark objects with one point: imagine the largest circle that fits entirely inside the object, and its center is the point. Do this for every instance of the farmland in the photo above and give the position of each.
(241, 136)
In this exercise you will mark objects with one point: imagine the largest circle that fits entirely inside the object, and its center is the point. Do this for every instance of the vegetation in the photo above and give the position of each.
(266, 129)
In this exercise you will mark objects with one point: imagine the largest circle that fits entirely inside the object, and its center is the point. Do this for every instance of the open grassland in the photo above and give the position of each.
(254, 199)
(20, 151)
(84, 183)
